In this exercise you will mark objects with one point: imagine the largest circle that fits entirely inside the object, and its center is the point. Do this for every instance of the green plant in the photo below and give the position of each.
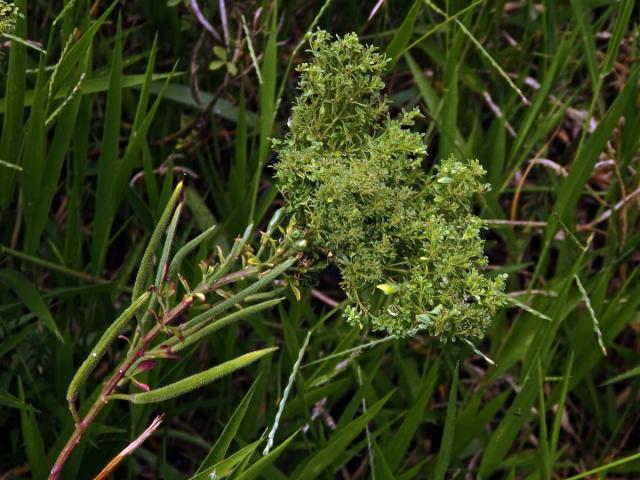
(352, 176)
(359, 406)
(8, 14)
(160, 301)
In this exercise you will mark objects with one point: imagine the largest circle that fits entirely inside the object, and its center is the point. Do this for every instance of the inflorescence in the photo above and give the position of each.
(406, 243)
(8, 15)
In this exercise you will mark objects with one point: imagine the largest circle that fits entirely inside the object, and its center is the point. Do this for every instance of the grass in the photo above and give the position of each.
(106, 106)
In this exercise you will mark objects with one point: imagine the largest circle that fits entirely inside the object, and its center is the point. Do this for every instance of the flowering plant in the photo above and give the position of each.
(407, 243)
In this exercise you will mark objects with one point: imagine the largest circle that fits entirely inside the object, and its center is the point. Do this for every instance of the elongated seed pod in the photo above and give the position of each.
(188, 248)
(194, 335)
(235, 251)
(276, 220)
(101, 347)
(199, 379)
(154, 241)
(161, 273)
(166, 250)
(240, 296)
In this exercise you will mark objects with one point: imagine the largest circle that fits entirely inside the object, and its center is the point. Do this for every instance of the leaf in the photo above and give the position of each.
(219, 449)
(33, 443)
(402, 35)
(12, 123)
(398, 447)
(11, 401)
(108, 162)
(338, 443)
(28, 294)
(267, 105)
(255, 470)
(34, 153)
(220, 52)
(388, 288)
(588, 154)
(632, 372)
(446, 446)
(216, 64)
(67, 113)
(225, 467)
(381, 466)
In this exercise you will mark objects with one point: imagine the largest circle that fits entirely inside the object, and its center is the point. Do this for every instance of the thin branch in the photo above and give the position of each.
(115, 461)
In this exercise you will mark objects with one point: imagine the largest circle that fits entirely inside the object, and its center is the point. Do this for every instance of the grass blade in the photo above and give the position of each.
(267, 105)
(402, 35)
(33, 443)
(108, 161)
(446, 446)
(339, 442)
(30, 297)
(219, 449)
(12, 125)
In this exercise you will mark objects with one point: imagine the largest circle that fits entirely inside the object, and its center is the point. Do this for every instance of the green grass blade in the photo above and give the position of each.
(33, 443)
(397, 449)
(34, 154)
(226, 467)
(557, 420)
(402, 35)
(543, 446)
(589, 152)
(256, 470)
(338, 443)
(604, 468)
(31, 298)
(108, 161)
(219, 449)
(622, 23)
(583, 17)
(267, 104)
(64, 131)
(78, 50)
(12, 126)
(446, 446)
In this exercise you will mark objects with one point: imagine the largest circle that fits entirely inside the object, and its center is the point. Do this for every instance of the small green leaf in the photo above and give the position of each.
(216, 64)
(220, 52)
(231, 67)
(388, 288)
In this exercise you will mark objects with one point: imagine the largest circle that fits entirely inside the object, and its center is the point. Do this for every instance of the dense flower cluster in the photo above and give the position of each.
(8, 14)
(406, 243)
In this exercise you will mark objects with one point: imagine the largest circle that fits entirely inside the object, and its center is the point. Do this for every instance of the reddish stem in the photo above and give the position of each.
(129, 361)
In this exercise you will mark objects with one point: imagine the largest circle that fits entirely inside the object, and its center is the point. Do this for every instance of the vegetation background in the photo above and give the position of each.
(106, 105)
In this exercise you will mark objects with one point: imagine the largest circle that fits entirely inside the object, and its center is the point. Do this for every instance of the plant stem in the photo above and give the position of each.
(112, 383)
(131, 360)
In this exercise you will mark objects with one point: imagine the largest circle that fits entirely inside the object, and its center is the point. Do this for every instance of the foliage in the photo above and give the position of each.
(8, 14)
(353, 177)
(100, 119)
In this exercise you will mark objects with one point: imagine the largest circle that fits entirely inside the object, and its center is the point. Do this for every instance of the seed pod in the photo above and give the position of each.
(199, 379)
(101, 347)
